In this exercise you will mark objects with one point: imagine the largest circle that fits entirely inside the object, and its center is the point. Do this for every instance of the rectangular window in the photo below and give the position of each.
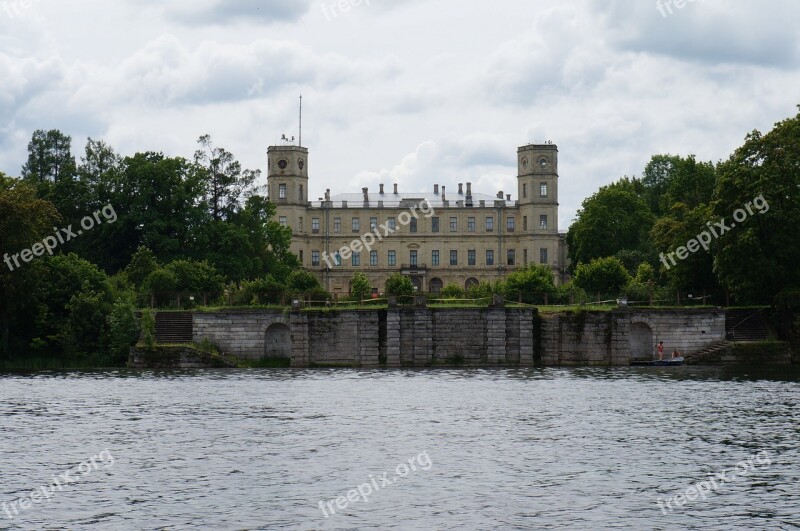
(315, 225)
(512, 257)
(489, 224)
(392, 258)
(373, 223)
(471, 257)
(543, 256)
(281, 191)
(413, 225)
(284, 221)
(314, 258)
(373, 258)
(337, 259)
(356, 261)
(524, 190)
(435, 258)
(301, 257)
(471, 224)
(453, 224)
(489, 258)
(413, 258)
(524, 257)
(392, 224)
(525, 223)
(356, 225)
(301, 192)
(510, 224)
(453, 258)
(434, 224)
(337, 225)
(543, 221)
(543, 190)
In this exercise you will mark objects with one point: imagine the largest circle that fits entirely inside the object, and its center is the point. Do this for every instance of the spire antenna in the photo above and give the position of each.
(300, 139)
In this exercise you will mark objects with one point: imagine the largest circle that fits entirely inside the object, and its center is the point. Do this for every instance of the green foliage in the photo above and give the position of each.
(569, 293)
(123, 330)
(758, 260)
(606, 276)
(302, 281)
(360, 288)
(399, 285)
(452, 291)
(143, 263)
(482, 290)
(612, 220)
(645, 273)
(263, 291)
(529, 284)
(148, 325)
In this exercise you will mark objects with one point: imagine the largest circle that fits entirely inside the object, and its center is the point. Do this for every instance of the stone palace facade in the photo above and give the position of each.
(437, 238)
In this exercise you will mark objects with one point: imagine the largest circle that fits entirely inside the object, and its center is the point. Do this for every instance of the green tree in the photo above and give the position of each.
(452, 291)
(530, 284)
(302, 281)
(613, 219)
(606, 276)
(24, 221)
(359, 286)
(143, 262)
(758, 259)
(399, 285)
(123, 329)
(226, 183)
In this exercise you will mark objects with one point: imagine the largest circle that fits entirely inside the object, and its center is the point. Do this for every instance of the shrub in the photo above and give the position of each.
(602, 275)
(452, 291)
(360, 287)
(399, 285)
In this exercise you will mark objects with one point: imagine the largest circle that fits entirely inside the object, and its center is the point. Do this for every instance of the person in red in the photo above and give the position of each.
(660, 350)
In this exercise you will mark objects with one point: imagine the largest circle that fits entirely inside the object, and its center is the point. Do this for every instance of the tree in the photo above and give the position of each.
(24, 220)
(528, 284)
(302, 281)
(757, 260)
(606, 276)
(399, 285)
(612, 220)
(452, 291)
(143, 262)
(49, 157)
(225, 180)
(670, 179)
(359, 286)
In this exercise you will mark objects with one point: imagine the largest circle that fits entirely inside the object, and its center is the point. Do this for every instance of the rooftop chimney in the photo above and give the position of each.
(508, 197)
(460, 189)
(381, 189)
(395, 188)
(500, 194)
(443, 187)
(469, 189)
(435, 189)
(366, 194)
(328, 194)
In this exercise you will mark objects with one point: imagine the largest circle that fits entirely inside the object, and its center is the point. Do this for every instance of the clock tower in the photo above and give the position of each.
(287, 184)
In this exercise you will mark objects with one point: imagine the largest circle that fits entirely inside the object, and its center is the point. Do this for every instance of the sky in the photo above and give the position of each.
(403, 91)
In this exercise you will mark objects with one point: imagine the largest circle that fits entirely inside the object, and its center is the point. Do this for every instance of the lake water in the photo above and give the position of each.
(495, 449)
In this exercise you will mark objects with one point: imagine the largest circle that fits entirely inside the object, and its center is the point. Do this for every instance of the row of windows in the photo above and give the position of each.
(472, 224)
(355, 260)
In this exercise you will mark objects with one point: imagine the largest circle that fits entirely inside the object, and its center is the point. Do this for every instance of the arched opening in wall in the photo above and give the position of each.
(278, 344)
(436, 285)
(471, 283)
(417, 283)
(641, 342)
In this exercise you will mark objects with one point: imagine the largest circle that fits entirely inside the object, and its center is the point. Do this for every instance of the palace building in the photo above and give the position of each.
(463, 238)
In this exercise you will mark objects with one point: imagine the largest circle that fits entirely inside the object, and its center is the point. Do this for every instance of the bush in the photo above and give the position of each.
(399, 285)
(148, 324)
(602, 275)
(530, 284)
(360, 288)
(569, 293)
(302, 281)
(122, 329)
(483, 290)
(452, 291)
(263, 291)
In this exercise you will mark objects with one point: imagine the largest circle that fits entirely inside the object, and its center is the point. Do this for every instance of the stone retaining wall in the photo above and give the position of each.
(424, 337)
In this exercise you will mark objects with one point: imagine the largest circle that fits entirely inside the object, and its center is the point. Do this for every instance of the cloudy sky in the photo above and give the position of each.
(408, 91)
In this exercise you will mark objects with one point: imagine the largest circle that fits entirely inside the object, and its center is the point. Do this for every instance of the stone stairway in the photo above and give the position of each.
(746, 325)
(711, 352)
(174, 327)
